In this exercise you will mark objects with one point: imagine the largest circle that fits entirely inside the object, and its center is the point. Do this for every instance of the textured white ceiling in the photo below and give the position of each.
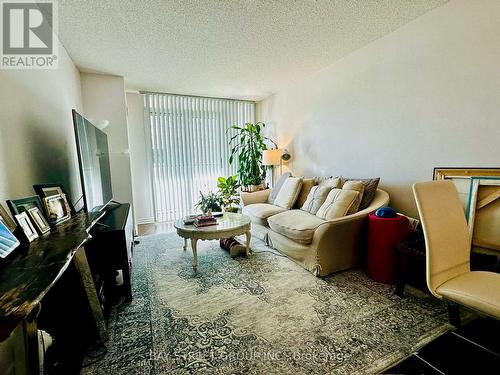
(239, 49)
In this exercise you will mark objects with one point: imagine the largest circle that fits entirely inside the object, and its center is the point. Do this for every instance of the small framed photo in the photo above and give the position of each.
(18, 206)
(57, 208)
(6, 219)
(8, 242)
(49, 190)
(25, 223)
(38, 219)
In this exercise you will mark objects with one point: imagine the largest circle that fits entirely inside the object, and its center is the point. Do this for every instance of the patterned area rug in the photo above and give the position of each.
(258, 315)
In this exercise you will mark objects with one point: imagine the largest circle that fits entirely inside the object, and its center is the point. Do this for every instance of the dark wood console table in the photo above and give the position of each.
(29, 274)
(33, 270)
(63, 283)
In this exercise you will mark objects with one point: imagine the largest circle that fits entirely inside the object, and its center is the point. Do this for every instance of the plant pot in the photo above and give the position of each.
(231, 209)
(253, 188)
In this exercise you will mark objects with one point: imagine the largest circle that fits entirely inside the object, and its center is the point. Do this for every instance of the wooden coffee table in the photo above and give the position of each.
(229, 225)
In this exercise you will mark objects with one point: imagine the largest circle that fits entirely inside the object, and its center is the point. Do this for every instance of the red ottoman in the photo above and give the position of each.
(383, 236)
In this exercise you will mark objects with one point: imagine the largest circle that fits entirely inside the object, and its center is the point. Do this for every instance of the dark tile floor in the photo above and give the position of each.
(472, 349)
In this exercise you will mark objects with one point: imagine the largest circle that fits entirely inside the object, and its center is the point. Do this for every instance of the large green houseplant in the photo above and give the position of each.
(247, 147)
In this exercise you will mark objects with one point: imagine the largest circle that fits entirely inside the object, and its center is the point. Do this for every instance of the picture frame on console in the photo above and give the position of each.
(18, 206)
(27, 226)
(6, 219)
(36, 216)
(57, 208)
(8, 242)
(51, 189)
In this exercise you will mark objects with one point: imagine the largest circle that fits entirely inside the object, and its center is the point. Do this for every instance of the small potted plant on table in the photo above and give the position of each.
(210, 202)
(228, 191)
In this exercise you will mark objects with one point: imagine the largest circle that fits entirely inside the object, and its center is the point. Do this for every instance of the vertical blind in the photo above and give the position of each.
(189, 147)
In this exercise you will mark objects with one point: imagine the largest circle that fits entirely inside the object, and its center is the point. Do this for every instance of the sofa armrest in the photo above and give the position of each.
(260, 196)
(338, 242)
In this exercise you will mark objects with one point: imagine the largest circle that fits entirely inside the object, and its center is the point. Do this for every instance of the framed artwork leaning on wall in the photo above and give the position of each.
(49, 190)
(461, 176)
(18, 206)
(483, 213)
(38, 220)
(7, 220)
(8, 242)
(57, 208)
(27, 226)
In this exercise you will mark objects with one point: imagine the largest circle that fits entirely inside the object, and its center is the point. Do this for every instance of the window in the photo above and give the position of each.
(190, 148)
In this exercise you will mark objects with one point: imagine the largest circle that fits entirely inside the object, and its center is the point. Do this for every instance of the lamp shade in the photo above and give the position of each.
(271, 157)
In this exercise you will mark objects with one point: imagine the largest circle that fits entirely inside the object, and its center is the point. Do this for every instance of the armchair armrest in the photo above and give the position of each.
(260, 196)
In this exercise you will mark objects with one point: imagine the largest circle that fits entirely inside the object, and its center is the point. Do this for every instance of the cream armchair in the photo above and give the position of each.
(448, 246)
(330, 246)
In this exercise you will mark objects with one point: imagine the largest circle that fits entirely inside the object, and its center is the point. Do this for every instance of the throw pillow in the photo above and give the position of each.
(331, 182)
(307, 184)
(356, 186)
(277, 187)
(315, 199)
(371, 185)
(337, 204)
(288, 193)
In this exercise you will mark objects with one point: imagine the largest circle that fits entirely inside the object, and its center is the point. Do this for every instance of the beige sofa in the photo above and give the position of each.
(320, 246)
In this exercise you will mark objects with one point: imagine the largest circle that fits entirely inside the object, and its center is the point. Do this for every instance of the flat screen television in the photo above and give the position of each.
(93, 157)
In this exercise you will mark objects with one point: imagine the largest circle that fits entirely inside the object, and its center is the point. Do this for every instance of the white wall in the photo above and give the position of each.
(37, 142)
(426, 95)
(104, 99)
(139, 162)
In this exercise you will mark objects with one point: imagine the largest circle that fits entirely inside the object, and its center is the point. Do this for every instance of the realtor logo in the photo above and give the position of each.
(28, 31)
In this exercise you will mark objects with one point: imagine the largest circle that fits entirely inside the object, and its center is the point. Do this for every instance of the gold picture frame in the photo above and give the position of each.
(461, 177)
(445, 173)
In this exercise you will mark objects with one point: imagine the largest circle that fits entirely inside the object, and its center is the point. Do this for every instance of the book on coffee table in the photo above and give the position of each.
(203, 221)
(187, 220)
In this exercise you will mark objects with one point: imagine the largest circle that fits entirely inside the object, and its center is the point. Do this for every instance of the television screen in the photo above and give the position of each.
(93, 156)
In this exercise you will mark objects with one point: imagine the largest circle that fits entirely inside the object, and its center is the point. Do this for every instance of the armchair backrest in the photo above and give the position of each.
(446, 233)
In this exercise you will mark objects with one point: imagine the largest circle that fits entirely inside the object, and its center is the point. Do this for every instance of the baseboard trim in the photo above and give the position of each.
(145, 220)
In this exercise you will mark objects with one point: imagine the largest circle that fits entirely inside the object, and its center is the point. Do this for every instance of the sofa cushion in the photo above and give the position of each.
(289, 192)
(358, 186)
(371, 185)
(259, 212)
(277, 187)
(296, 225)
(315, 199)
(337, 204)
(307, 185)
(331, 182)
